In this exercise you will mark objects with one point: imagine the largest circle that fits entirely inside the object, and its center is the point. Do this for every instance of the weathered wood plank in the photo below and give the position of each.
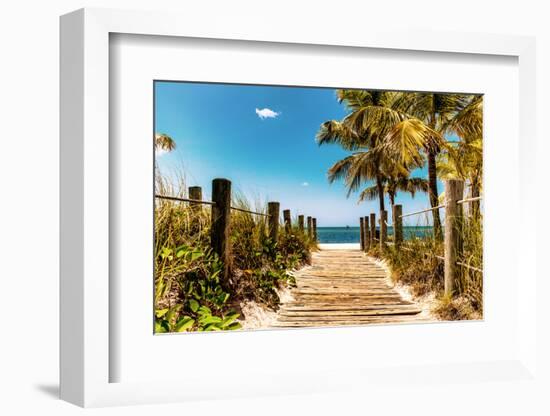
(344, 287)
(355, 322)
(335, 315)
(333, 308)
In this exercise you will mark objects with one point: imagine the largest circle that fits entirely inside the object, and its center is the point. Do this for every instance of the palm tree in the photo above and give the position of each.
(361, 131)
(430, 116)
(164, 142)
(360, 167)
(400, 128)
(393, 185)
(465, 160)
(432, 112)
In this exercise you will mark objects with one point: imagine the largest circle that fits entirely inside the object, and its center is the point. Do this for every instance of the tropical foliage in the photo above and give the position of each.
(390, 135)
(189, 295)
(393, 185)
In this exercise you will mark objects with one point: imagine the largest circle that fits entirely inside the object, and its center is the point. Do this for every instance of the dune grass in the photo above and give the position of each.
(189, 294)
(416, 264)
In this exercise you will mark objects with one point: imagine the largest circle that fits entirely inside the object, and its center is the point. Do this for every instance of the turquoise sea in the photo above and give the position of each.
(351, 234)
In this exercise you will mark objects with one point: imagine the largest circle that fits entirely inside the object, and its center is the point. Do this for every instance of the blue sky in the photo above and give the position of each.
(262, 138)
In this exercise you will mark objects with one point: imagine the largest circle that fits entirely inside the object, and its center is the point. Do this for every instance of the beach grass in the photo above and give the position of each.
(190, 294)
(418, 265)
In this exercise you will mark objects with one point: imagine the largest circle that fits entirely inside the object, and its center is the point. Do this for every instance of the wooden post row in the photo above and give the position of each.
(397, 224)
(309, 228)
(362, 233)
(219, 230)
(454, 190)
(383, 229)
(314, 223)
(287, 220)
(195, 192)
(373, 227)
(366, 233)
(301, 223)
(273, 212)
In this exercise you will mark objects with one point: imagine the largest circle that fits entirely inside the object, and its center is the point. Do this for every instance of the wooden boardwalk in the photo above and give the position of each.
(344, 287)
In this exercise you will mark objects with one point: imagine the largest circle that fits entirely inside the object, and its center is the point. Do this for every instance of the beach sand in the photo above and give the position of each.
(339, 246)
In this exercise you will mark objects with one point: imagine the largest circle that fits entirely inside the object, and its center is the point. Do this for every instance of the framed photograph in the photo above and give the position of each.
(245, 263)
(290, 212)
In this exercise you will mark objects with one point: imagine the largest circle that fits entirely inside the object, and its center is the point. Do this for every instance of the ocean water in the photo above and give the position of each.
(351, 234)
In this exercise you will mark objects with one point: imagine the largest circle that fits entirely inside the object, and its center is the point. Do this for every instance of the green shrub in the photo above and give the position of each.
(418, 264)
(189, 295)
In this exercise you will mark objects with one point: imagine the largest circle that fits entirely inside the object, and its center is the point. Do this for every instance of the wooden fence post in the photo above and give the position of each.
(454, 190)
(366, 233)
(362, 233)
(301, 223)
(219, 229)
(288, 222)
(309, 228)
(373, 227)
(397, 224)
(195, 192)
(475, 206)
(273, 212)
(314, 223)
(383, 229)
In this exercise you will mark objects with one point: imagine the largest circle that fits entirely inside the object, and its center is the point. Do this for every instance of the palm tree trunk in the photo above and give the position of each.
(433, 194)
(392, 200)
(380, 187)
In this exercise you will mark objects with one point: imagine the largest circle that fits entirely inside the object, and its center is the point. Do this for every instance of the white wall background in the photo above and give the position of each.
(29, 210)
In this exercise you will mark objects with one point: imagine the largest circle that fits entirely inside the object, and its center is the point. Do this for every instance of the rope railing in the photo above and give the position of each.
(220, 222)
(453, 257)
(441, 258)
(462, 201)
(177, 198)
(420, 212)
(250, 212)
(200, 201)
(477, 269)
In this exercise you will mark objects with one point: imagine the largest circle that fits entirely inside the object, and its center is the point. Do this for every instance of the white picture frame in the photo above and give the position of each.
(85, 165)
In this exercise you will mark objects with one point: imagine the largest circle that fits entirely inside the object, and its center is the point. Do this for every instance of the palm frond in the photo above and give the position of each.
(467, 123)
(408, 139)
(340, 169)
(335, 132)
(412, 185)
(376, 120)
(368, 194)
(355, 170)
(354, 99)
(434, 109)
(164, 142)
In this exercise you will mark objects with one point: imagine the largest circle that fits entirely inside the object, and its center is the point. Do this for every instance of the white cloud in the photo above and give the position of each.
(160, 152)
(305, 183)
(267, 113)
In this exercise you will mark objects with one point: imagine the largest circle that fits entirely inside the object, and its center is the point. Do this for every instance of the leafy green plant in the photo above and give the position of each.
(189, 293)
(201, 303)
(418, 264)
(169, 320)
